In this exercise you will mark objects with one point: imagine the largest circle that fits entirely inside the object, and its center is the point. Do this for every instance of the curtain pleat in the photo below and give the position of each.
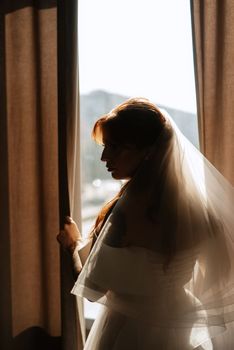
(5, 271)
(73, 327)
(213, 33)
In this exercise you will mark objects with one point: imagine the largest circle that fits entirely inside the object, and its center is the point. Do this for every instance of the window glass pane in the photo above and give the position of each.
(130, 48)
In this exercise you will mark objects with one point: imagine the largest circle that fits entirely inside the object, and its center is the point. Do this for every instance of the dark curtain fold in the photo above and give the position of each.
(5, 271)
(213, 39)
(68, 102)
(32, 124)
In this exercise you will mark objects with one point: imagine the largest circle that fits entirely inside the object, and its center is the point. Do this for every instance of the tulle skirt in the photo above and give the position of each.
(114, 331)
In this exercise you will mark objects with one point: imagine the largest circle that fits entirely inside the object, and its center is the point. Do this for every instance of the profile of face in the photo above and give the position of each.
(121, 160)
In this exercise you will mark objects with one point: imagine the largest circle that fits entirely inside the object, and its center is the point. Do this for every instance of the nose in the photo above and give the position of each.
(104, 155)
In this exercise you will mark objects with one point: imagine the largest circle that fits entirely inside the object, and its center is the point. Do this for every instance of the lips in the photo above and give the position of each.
(109, 167)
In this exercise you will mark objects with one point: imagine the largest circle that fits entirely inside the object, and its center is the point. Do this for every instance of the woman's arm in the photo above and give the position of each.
(71, 240)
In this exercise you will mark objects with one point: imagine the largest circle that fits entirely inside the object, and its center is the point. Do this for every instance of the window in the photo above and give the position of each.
(130, 48)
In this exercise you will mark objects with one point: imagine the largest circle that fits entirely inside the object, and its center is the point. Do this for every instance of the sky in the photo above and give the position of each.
(138, 48)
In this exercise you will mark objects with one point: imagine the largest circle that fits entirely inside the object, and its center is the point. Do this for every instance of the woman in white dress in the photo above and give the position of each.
(160, 257)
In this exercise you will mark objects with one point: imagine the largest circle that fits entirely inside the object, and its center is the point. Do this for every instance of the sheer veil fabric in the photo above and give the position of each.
(164, 259)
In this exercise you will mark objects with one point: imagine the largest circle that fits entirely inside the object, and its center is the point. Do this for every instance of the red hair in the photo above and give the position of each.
(136, 121)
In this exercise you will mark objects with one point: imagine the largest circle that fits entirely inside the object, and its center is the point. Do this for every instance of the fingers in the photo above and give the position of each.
(64, 240)
(70, 225)
(68, 220)
(69, 235)
(68, 243)
(60, 236)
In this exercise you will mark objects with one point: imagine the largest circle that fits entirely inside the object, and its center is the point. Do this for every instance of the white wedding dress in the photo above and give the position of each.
(155, 298)
(124, 269)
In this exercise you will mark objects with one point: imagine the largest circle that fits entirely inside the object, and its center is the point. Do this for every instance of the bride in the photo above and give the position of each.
(160, 256)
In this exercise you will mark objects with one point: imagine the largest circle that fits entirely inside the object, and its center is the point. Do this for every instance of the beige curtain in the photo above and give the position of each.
(213, 36)
(31, 188)
(213, 39)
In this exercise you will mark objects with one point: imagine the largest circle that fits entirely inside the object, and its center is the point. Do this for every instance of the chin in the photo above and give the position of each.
(117, 176)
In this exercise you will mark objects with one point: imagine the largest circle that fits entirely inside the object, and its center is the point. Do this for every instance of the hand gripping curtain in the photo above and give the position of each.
(182, 292)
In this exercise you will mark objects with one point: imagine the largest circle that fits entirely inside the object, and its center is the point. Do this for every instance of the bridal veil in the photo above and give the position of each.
(165, 255)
